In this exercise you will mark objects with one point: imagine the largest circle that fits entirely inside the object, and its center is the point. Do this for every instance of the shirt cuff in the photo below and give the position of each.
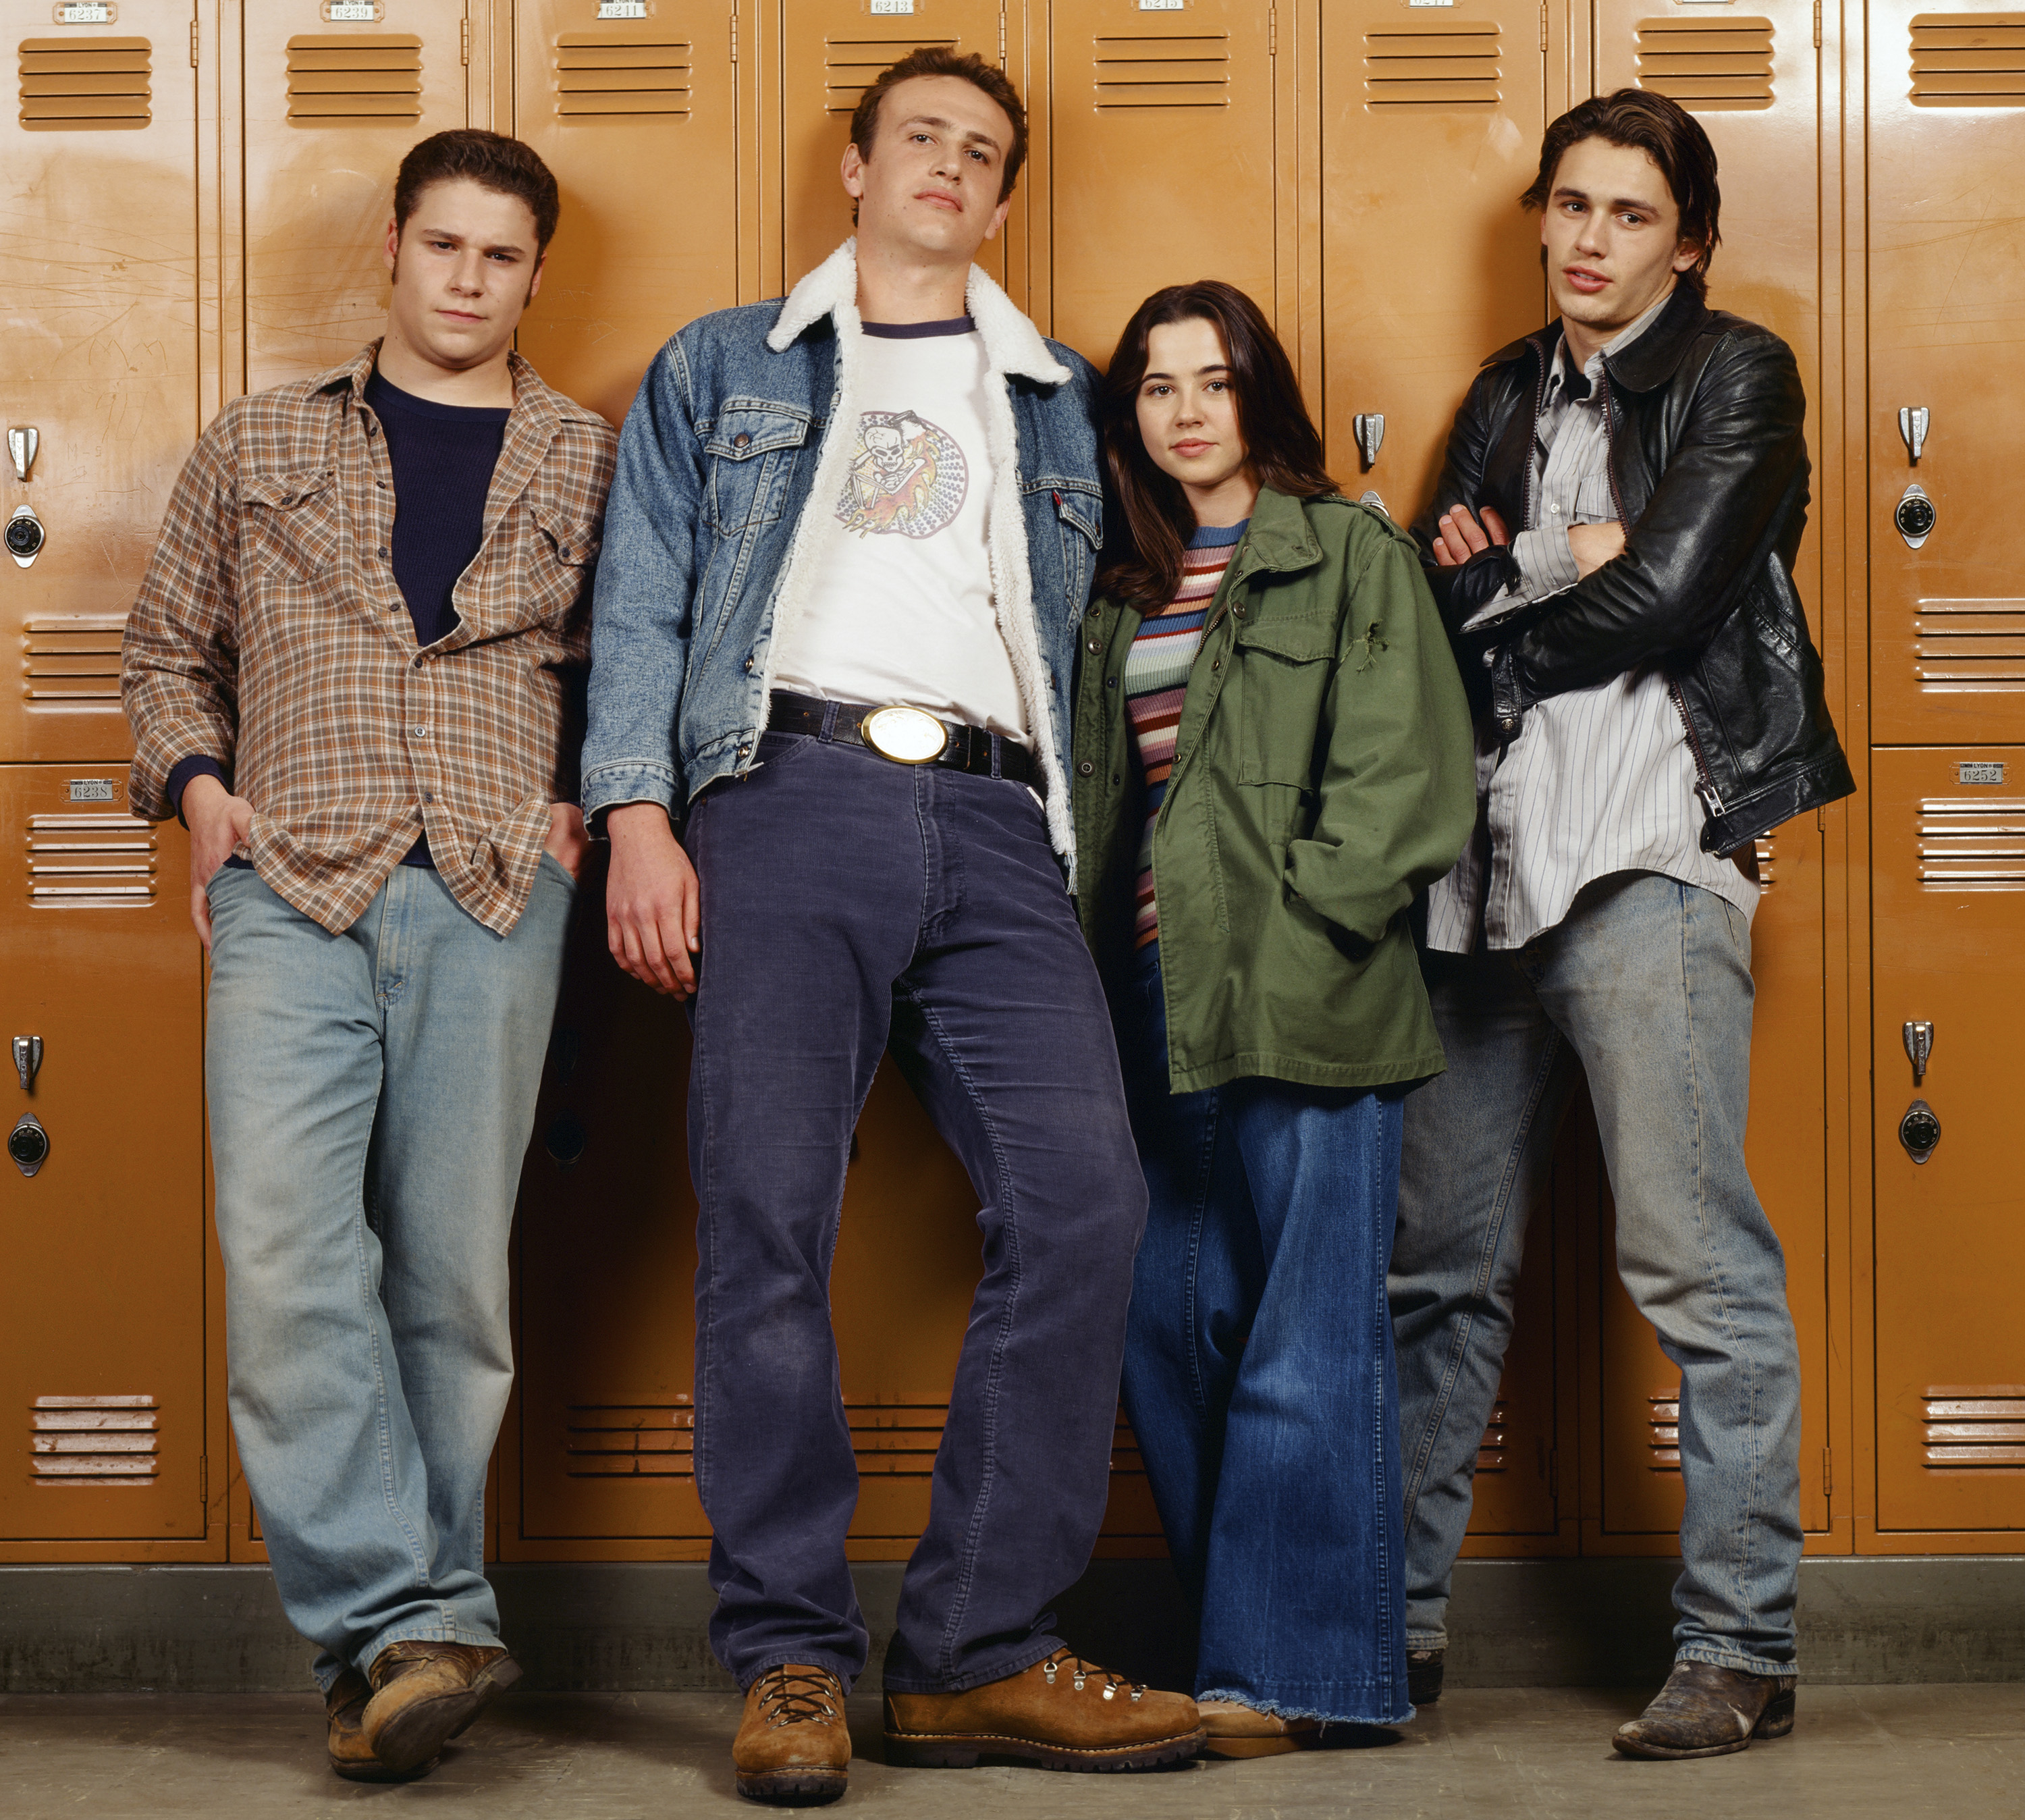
(187, 771)
(1546, 565)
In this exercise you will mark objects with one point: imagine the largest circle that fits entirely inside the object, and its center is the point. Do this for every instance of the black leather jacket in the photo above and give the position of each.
(1708, 466)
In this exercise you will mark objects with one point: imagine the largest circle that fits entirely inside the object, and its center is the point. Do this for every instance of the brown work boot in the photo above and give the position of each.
(793, 1748)
(350, 1757)
(1707, 1711)
(1237, 1731)
(425, 1693)
(1063, 1713)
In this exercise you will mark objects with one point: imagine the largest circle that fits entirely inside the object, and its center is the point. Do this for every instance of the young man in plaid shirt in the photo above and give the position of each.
(353, 670)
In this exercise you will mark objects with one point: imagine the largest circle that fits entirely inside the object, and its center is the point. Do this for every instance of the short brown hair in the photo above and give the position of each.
(491, 161)
(939, 59)
(1667, 133)
(1282, 449)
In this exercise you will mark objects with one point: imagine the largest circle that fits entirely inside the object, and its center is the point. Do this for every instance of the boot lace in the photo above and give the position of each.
(1068, 1662)
(790, 1696)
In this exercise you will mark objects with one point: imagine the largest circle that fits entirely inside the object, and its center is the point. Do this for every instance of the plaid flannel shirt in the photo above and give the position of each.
(270, 635)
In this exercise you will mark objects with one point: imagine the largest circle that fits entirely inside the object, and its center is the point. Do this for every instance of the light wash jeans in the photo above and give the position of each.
(1258, 1374)
(370, 1097)
(1646, 986)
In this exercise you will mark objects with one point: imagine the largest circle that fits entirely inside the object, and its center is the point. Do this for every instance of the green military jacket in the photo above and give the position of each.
(1324, 774)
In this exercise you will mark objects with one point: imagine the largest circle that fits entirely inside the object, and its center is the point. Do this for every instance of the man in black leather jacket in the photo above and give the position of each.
(1611, 545)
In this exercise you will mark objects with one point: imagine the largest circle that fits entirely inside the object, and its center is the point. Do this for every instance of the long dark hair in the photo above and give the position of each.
(1283, 450)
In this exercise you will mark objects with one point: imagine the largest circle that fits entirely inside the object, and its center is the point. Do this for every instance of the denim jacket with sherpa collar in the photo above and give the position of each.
(744, 415)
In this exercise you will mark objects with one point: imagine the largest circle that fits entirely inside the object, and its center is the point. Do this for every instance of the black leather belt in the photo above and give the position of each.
(963, 748)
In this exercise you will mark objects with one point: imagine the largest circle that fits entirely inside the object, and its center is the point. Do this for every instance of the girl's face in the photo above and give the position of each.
(1188, 409)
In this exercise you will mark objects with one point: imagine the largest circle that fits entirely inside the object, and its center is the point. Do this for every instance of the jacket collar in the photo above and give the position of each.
(536, 408)
(1648, 362)
(1011, 344)
(1279, 539)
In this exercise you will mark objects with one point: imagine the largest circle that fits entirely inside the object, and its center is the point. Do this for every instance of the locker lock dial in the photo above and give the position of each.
(1920, 1131)
(24, 535)
(1915, 516)
(28, 1144)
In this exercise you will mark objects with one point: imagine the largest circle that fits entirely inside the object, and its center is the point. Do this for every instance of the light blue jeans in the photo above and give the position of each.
(370, 1097)
(1646, 987)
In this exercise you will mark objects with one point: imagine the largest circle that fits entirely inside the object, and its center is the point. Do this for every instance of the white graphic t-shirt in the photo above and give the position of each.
(903, 609)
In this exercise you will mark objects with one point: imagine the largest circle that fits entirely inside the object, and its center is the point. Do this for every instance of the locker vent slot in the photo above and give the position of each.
(1665, 1429)
(852, 65)
(1975, 1425)
(1969, 647)
(1968, 60)
(71, 660)
(1164, 72)
(1431, 63)
(629, 1440)
(1967, 844)
(345, 81)
(1491, 1450)
(87, 85)
(599, 74)
(1708, 65)
(86, 862)
(92, 1440)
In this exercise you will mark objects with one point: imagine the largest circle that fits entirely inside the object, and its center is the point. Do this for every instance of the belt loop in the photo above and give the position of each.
(997, 753)
(829, 732)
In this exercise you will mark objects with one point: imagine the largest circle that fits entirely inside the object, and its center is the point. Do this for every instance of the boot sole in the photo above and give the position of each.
(1775, 1721)
(418, 1733)
(928, 1751)
(1269, 1747)
(793, 1787)
(380, 1773)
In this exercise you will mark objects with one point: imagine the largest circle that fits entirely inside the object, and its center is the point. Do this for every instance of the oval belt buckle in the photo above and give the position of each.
(905, 735)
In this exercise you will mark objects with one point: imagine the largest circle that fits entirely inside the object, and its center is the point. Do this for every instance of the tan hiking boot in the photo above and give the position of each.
(1063, 1713)
(350, 1757)
(1237, 1731)
(793, 1747)
(425, 1693)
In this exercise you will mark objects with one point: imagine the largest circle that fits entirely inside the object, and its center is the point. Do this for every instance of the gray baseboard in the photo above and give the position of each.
(1513, 1624)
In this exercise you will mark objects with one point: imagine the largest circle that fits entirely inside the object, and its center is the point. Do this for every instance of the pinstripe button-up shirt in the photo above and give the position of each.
(270, 635)
(1599, 780)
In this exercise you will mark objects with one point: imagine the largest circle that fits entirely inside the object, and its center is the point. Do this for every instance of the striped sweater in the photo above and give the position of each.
(1157, 679)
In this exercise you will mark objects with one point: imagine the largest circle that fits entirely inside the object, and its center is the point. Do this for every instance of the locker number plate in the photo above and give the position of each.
(897, 6)
(1979, 771)
(86, 12)
(622, 8)
(353, 12)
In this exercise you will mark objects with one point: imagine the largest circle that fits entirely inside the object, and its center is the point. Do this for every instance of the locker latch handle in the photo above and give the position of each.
(21, 445)
(1913, 421)
(1370, 429)
(28, 1058)
(1919, 1038)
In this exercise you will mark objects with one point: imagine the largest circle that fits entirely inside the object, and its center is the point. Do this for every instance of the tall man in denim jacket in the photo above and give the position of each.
(849, 545)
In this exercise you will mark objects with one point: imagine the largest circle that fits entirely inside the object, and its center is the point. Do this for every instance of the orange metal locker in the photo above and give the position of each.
(639, 122)
(100, 240)
(830, 52)
(1162, 158)
(1948, 846)
(101, 1195)
(334, 95)
(1430, 126)
(1947, 290)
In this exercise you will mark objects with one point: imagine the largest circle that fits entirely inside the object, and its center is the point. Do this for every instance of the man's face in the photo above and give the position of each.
(1612, 232)
(928, 188)
(463, 270)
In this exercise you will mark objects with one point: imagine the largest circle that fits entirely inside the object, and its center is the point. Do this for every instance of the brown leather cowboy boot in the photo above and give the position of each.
(425, 1693)
(793, 1748)
(1707, 1711)
(1063, 1713)
(350, 1757)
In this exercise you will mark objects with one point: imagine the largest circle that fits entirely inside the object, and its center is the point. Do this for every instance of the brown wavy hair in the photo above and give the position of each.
(1283, 450)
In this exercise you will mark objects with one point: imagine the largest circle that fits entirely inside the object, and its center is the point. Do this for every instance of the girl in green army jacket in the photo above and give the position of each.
(1272, 755)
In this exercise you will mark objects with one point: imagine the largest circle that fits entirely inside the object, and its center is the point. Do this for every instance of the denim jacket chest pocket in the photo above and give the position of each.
(750, 450)
(1079, 517)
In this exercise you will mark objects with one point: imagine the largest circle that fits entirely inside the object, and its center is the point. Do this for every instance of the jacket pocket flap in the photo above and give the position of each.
(1304, 641)
(285, 489)
(746, 427)
(1084, 512)
(576, 543)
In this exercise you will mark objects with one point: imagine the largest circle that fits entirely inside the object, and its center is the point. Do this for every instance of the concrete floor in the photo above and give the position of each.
(1901, 1752)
